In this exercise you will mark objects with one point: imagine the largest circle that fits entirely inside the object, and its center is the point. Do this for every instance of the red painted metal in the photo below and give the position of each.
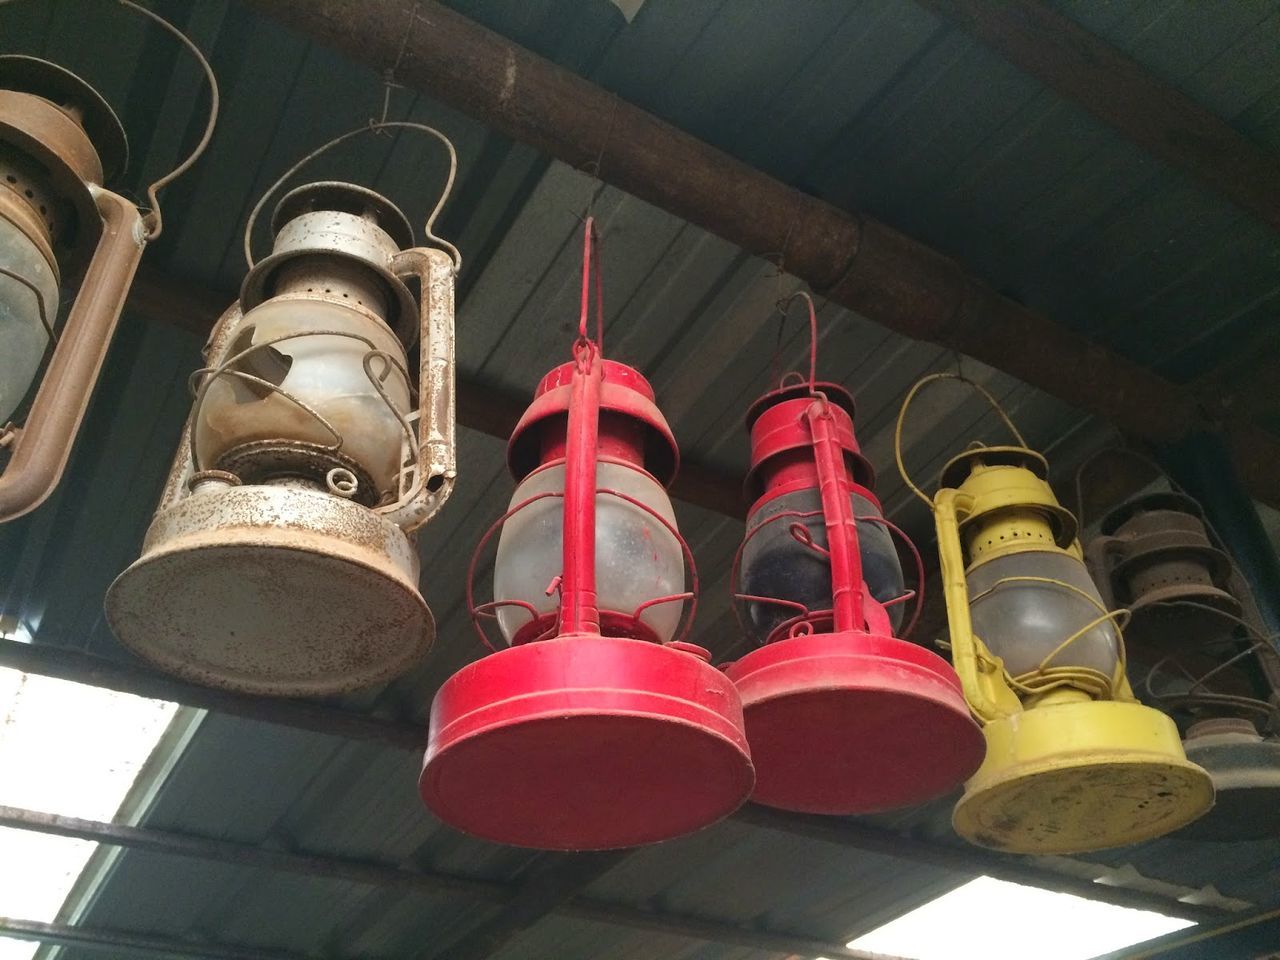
(586, 733)
(842, 717)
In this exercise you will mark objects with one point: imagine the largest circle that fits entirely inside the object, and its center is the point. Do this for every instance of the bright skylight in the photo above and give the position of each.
(989, 919)
(69, 749)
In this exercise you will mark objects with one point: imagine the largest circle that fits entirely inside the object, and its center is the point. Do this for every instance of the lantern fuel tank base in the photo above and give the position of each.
(1246, 779)
(273, 590)
(851, 723)
(586, 742)
(1073, 777)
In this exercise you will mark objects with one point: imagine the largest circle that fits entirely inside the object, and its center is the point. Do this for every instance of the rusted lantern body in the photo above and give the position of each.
(1153, 555)
(280, 560)
(597, 727)
(59, 141)
(1210, 663)
(842, 716)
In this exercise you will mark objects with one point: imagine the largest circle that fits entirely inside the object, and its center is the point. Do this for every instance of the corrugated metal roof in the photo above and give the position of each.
(876, 105)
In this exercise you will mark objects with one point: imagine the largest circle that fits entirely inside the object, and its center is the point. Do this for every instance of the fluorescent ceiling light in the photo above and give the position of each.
(989, 919)
(68, 749)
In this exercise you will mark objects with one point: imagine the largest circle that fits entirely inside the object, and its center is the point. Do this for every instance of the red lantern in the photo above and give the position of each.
(597, 727)
(842, 717)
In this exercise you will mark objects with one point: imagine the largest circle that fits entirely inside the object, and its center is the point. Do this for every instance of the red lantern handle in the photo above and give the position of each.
(578, 610)
(837, 509)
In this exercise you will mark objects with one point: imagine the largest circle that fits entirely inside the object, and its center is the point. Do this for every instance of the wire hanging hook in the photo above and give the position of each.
(428, 229)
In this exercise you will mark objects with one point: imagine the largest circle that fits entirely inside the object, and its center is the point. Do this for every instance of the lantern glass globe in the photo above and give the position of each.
(297, 353)
(23, 338)
(637, 558)
(1024, 605)
(777, 564)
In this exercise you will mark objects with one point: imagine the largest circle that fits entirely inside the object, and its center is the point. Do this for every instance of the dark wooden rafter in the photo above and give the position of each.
(1085, 69)
(849, 257)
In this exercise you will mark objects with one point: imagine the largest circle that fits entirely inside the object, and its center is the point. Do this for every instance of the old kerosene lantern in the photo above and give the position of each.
(842, 716)
(280, 560)
(1074, 763)
(1209, 663)
(596, 727)
(59, 142)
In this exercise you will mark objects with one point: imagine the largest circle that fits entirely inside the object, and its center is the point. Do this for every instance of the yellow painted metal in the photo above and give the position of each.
(1070, 776)
(1074, 763)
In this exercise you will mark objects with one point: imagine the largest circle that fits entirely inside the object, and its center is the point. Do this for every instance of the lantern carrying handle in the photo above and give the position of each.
(428, 228)
(902, 416)
(154, 220)
(982, 674)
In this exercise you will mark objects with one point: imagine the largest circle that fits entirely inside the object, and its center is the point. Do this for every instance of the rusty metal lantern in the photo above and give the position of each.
(1210, 664)
(598, 726)
(843, 717)
(281, 558)
(59, 143)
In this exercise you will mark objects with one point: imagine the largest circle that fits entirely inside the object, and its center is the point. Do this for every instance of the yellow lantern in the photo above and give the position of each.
(1074, 762)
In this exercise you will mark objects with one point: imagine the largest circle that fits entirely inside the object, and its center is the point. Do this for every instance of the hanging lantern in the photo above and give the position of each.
(842, 716)
(280, 560)
(1214, 670)
(59, 142)
(1074, 763)
(597, 727)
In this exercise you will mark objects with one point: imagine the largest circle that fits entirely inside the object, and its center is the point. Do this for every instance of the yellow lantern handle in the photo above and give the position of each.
(981, 672)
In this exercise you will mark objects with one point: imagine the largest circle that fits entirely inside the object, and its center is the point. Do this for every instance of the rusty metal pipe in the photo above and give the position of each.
(851, 258)
(43, 446)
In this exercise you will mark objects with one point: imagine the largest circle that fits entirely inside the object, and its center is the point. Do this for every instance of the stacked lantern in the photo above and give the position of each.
(1074, 762)
(59, 141)
(842, 716)
(1210, 664)
(280, 560)
(597, 727)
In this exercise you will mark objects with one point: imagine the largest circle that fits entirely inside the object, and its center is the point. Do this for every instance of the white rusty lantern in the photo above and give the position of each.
(281, 559)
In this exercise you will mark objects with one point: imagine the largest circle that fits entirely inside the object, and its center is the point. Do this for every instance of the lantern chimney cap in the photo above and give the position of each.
(834, 392)
(75, 98)
(959, 467)
(625, 391)
(1170, 500)
(341, 197)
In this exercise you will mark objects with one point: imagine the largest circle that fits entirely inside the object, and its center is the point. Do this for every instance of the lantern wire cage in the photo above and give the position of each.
(1044, 677)
(587, 350)
(1200, 694)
